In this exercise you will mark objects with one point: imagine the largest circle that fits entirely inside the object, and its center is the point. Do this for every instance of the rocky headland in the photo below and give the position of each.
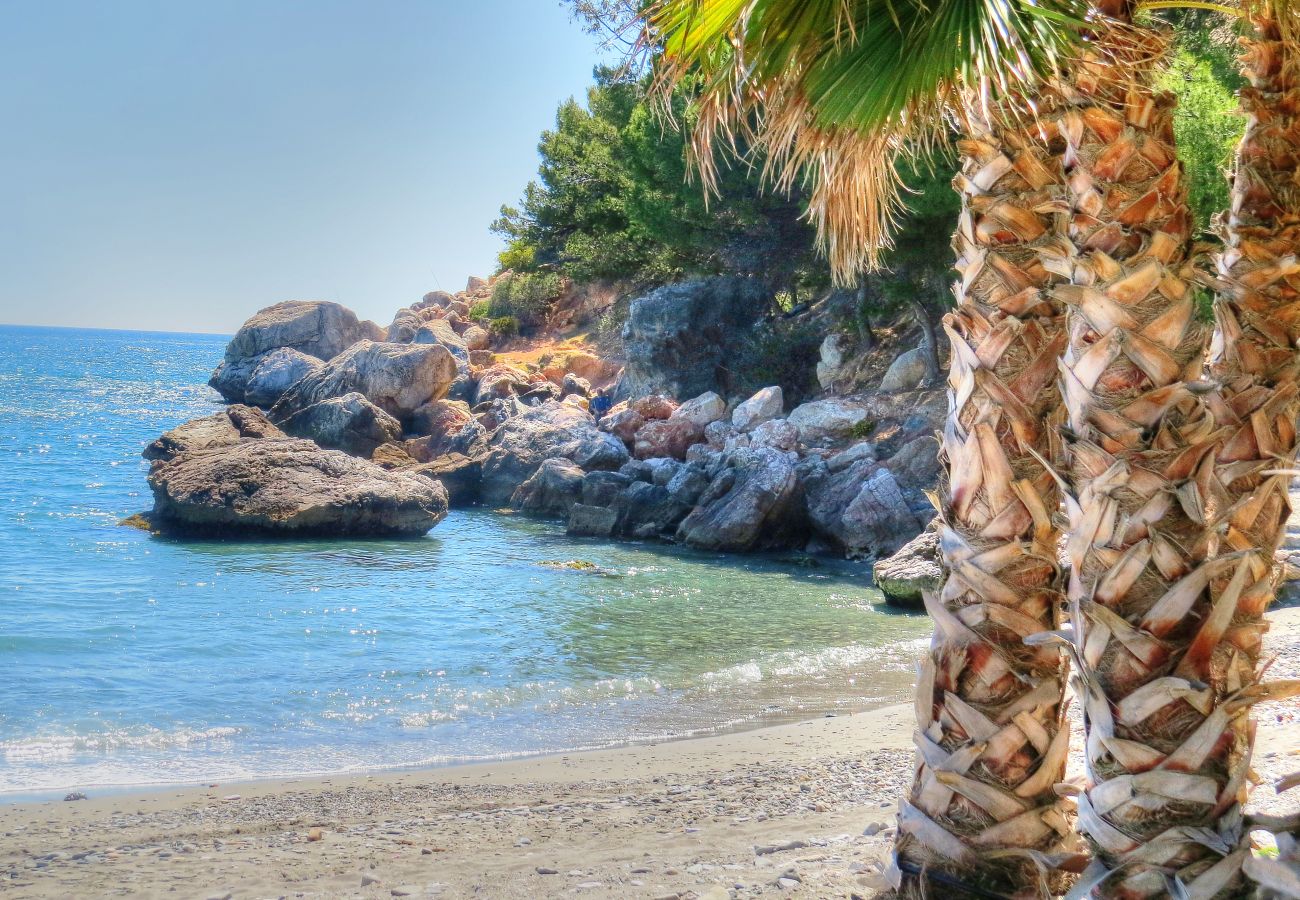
(339, 426)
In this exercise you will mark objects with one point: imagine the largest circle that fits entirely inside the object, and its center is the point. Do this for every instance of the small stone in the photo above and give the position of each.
(404, 891)
(75, 795)
(787, 884)
(226, 896)
(589, 884)
(523, 842)
(232, 797)
(543, 870)
(315, 835)
(367, 880)
(425, 851)
(874, 829)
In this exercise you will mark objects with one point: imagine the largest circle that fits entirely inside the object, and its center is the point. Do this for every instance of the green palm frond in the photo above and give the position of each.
(835, 91)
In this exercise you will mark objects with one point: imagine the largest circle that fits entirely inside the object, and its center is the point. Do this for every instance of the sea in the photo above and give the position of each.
(128, 659)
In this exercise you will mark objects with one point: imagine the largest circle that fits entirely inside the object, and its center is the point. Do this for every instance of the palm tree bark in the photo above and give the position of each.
(1256, 361)
(982, 817)
(1154, 585)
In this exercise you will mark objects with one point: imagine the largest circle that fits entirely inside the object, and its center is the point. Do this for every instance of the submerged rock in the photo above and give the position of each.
(233, 424)
(290, 487)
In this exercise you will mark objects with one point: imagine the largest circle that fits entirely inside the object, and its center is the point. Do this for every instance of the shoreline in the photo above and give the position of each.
(760, 722)
(802, 808)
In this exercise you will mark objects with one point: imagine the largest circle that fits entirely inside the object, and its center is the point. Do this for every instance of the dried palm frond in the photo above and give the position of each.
(832, 93)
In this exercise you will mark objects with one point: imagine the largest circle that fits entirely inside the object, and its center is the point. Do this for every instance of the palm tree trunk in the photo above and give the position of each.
(1256, 362)
(991, 730)
(1154, 586)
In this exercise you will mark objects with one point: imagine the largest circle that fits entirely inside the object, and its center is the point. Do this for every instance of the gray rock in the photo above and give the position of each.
(233, 424)
(575, 385)
(678, 338)
(406, 324)
(864, 450)
(290, 487)
(753, 502)
(398, 378)
(317, 328)
(549, 431)
(551, 491)
(861, 508)
(914, 569)
(601, 488)
(702, 410)
(832, 353)
(350, 423)
(765, 405)
(276, 372)
(777, 433)
(474, 284)
(688, 485)
(905, 373)
(592, 521)
(477, 338)
(825, 421)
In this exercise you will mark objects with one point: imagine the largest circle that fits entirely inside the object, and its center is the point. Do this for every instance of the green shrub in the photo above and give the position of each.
(525, 295)
(479, 310)
(503, 327)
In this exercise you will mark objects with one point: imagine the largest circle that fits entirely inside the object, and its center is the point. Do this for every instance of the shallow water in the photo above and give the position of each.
(128, 659)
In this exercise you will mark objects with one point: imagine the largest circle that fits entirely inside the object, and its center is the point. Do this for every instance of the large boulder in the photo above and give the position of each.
(906, 576)
(754, 502)
(826, 421)
(667, 437)
(764, 406)
(551, 491)
(653, 406)
(624, 425)
(275, 373)
(679, 338)
(290, 487)
(905, 373)
(406, 323)
(499, 381)
(702, 410)
(548, 431)
(233, 424)
(350, 423)
(861, 508)
(318, 328)
(477, 338)
(398, 378)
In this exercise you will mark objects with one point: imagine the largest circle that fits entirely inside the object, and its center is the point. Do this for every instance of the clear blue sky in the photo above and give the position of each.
(177, 164)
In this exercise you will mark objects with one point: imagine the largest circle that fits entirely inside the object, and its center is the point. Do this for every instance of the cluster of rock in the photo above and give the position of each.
(339, 426)
(747, 476)
(368, 430)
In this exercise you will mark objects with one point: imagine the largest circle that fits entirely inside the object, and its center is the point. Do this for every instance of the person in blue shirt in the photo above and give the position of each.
(600, 404)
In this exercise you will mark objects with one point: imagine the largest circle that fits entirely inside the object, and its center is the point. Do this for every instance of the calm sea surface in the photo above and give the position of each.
(127, 659)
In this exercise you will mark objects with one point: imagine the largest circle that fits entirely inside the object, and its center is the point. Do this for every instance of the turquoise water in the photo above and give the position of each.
(127, 659)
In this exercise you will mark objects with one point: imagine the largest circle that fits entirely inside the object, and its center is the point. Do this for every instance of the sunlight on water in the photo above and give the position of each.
(130, 660)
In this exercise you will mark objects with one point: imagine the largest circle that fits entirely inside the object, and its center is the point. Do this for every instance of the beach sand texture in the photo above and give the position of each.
(802, 810)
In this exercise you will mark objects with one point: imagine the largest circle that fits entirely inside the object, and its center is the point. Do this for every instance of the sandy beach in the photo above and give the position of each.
(803, 809)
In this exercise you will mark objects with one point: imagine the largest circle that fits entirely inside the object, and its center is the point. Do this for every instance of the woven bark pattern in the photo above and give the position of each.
(1257, 366)
(1151, 577)
(991, 737)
